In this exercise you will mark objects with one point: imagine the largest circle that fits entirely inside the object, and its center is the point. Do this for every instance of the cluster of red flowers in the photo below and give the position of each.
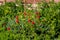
(17, 21)
(29, 20)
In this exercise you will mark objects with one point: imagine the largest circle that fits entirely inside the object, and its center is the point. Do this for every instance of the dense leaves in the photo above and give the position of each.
(19, 24)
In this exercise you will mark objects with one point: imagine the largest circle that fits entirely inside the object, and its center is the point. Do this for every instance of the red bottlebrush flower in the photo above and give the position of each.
(16, 17)
(33, 22)
(25, 13)
(37, 13)
(38, 16)
(29, 20)
(8, 28)
(17, 21)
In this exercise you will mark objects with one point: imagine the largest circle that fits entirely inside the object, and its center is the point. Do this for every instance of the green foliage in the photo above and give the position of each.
(17, 24)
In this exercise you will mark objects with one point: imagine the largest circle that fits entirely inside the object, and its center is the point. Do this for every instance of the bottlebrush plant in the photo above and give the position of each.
(19, 24)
